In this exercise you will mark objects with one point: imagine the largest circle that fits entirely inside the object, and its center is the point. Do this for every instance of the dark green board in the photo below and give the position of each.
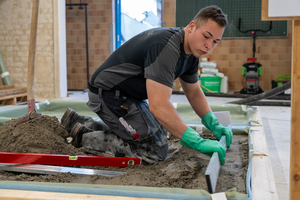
(248, 10)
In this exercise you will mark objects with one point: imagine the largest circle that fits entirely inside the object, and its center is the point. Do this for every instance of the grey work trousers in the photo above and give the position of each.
(148, 142)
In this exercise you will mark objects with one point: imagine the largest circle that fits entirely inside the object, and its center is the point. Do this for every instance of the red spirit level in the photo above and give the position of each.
(54, 159)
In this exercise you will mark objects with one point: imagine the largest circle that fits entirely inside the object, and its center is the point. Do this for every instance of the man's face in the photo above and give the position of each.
(202, 40)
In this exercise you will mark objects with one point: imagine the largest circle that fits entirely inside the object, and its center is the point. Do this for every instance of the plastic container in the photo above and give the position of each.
(212, 83)
(278, 83)
(209, 71)
(208, 65)
(224, 85)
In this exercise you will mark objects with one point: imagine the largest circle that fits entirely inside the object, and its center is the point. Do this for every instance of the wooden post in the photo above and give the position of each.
(31, 56)
(294, 188)
(294, 182)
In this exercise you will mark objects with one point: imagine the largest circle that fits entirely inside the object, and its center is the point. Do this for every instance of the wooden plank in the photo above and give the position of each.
(265, 11)
(262, 177)
(295, 118)
(3, 87)
(255, 119)
(13, 99)
(262, 181)
(12, 91)
(258, 140)
(35, 195)
(213, 169)
(12, 96)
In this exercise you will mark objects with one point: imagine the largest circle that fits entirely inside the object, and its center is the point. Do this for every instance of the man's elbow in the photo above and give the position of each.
(154, 110)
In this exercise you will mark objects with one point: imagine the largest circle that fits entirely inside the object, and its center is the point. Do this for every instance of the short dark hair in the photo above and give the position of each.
(211, 12)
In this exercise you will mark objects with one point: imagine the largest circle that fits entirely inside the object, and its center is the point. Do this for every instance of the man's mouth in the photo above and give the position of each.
(203, 52)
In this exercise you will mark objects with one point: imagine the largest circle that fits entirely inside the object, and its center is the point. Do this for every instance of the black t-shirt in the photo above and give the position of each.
(156, 54)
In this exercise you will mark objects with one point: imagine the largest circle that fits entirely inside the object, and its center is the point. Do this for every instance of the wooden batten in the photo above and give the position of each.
(36, 195)
(12, 91)
(4, 87)
(13, 99)
(262, 178)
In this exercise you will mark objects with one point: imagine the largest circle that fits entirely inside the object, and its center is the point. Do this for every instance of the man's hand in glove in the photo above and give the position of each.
(192, 139)
(210, 121)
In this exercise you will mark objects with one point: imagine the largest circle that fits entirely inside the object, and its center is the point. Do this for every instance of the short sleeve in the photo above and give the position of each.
(160, 63)
(192, 75)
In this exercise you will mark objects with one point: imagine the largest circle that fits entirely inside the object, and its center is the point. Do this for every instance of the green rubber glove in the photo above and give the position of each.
(192, 139)
(210, 121)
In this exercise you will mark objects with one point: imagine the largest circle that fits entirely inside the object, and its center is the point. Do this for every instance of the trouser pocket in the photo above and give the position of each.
(97, 105)
(135, 120)
(152, 145)
(108, 110)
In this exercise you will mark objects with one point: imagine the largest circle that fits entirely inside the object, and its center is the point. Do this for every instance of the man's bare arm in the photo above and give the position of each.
(196, 97)
(199, 103)
(166, 114)
(162, 109)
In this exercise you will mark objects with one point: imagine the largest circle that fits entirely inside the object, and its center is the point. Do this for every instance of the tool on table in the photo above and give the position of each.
(31, 63)
(54, 159)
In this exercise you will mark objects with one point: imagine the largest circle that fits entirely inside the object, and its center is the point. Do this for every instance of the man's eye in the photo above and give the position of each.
(205, 36)
(215, 42)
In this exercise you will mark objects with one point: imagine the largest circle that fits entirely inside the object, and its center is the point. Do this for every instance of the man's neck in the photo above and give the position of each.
(185, 43)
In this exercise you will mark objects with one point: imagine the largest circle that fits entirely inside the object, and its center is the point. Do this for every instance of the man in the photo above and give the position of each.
(145, 67)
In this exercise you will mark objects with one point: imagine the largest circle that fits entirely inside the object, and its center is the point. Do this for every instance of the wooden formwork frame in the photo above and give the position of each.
(262, 179)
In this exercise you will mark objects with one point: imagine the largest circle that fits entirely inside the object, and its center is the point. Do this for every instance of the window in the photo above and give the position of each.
(136, 16)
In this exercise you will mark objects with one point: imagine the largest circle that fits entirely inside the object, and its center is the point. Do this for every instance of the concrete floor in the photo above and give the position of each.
(276, 123)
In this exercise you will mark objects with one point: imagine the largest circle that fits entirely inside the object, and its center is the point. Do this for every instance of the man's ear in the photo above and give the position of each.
(192, 26)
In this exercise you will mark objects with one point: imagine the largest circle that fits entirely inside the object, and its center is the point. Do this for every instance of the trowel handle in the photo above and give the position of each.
(32, 48)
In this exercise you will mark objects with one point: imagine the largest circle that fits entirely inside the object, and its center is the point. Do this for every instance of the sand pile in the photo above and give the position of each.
(43, 135)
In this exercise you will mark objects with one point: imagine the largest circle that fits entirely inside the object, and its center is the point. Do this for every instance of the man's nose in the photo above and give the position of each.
(209, 45)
